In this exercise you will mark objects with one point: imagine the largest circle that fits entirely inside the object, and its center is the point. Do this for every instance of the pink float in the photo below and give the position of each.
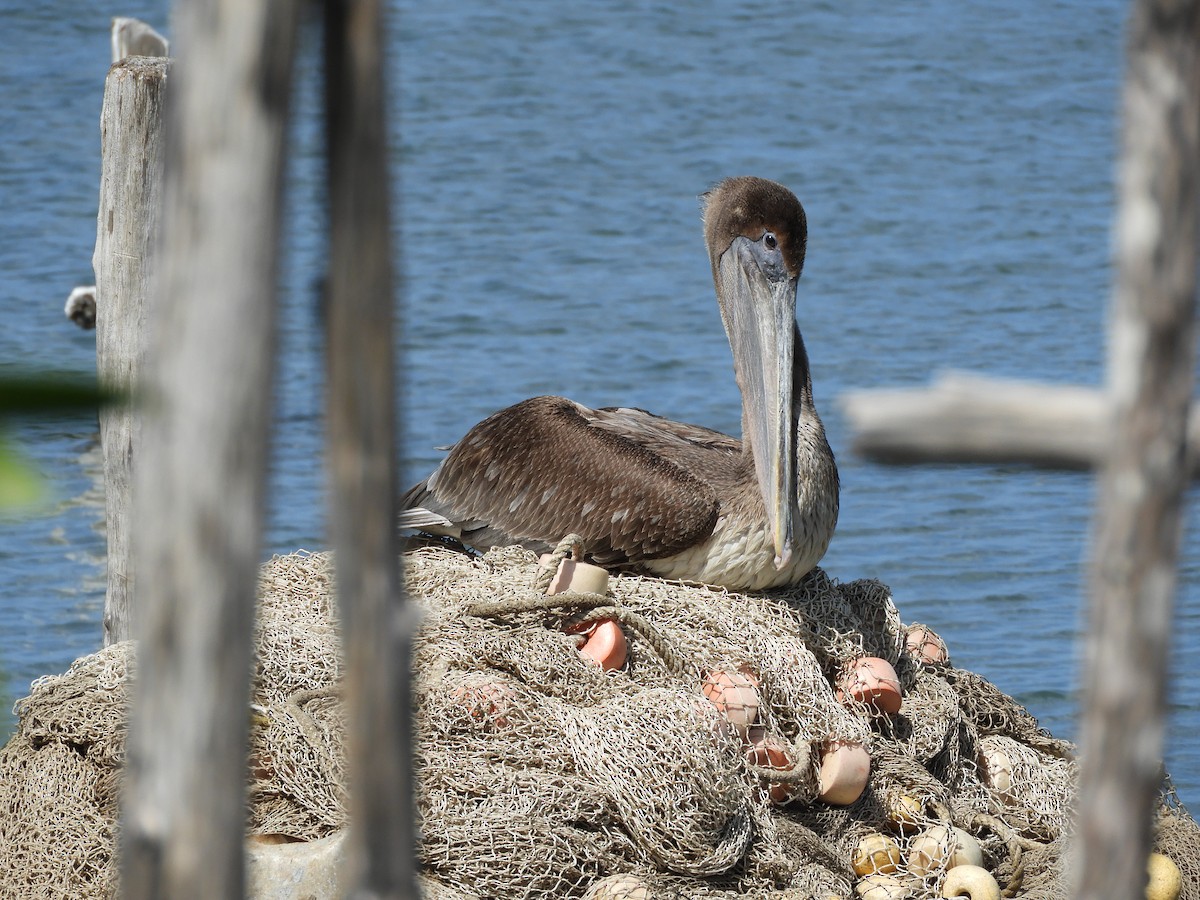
(735, 695)
(845, 770)
(873, 681)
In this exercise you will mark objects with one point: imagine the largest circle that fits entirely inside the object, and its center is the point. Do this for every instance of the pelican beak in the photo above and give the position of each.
(758, 306)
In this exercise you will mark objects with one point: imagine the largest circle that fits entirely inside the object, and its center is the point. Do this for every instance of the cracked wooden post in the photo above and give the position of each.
(206, 409)
(127, 224)
(1151, 366)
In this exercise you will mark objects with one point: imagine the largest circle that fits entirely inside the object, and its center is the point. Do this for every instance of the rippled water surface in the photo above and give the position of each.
(956, 164)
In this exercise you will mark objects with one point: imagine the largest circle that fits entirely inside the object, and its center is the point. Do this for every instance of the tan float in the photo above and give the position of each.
(579, 577)
(906, 812)
(974, 882)
(995, 770)
(943, 847)
(876, 854)
(884, 887)
(1166, 881)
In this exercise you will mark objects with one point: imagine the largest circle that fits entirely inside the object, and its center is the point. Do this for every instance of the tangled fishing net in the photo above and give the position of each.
(691, 756)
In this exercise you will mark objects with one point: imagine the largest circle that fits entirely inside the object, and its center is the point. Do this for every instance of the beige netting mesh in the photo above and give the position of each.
(692, 770)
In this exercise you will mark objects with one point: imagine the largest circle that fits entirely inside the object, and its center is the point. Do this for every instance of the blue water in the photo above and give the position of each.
(956, 162)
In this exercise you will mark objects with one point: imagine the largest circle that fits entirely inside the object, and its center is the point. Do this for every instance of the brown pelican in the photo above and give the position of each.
(675, 500)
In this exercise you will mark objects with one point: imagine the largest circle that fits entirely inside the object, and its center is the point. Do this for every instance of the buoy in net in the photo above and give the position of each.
(906, 812)
(603, 642)
(974, 882)
(873, 681)
(876, 854)
(735, 695)
(1166, 881)
(845, 770)
(995, 769)
(942, 847)
(926, 646)
(575, 576)
(884, 887)
(619, 887)
(770, 752)
(488, 702)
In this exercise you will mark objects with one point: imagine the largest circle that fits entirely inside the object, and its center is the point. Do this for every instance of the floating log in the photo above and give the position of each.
(970, 418)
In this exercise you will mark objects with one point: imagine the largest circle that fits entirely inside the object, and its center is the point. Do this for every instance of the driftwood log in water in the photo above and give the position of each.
(962, 417)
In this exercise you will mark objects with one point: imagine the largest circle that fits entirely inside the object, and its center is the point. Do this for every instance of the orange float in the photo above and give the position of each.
(770, 752)
(603, 642)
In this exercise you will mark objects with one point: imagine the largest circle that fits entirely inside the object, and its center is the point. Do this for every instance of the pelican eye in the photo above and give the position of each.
(769, 240)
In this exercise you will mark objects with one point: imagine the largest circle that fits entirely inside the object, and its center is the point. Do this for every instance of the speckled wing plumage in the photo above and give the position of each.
(547, 467)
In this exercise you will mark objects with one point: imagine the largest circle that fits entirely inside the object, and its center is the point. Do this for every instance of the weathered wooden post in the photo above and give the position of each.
(127, 225)
(377, 624)
(1152, 359)
(200, 480)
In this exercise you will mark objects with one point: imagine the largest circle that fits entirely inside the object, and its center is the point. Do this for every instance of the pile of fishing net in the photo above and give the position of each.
(687, 754)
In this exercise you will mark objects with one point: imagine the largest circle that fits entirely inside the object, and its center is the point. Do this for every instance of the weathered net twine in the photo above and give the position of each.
(541, 776)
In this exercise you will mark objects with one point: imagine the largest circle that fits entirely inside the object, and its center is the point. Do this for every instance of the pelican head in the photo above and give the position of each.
(756, 233)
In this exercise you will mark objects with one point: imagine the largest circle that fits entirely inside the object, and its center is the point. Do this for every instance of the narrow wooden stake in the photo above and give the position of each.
(362, 455)
(1152, 359)
(201, 477)
(127, 226)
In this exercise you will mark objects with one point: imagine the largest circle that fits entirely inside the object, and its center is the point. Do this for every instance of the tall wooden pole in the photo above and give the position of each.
(127, 227)
(1152, 362)
(206, 411)
(362, 454)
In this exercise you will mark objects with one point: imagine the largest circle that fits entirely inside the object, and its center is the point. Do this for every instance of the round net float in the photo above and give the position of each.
(1166, 881)
(619, 887)
(943, 847)
(905, 812)
(873, 681)
(579, 577)
(926, 646)
(488, 702)
(603, 642)
(770, 752)
(995, 769)
(735, 695)
(876, 854)
(717, 725)
(845, 770)
(974, 882)
(884, 887)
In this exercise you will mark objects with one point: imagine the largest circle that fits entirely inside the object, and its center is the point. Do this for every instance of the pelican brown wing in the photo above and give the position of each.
(546, 467)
